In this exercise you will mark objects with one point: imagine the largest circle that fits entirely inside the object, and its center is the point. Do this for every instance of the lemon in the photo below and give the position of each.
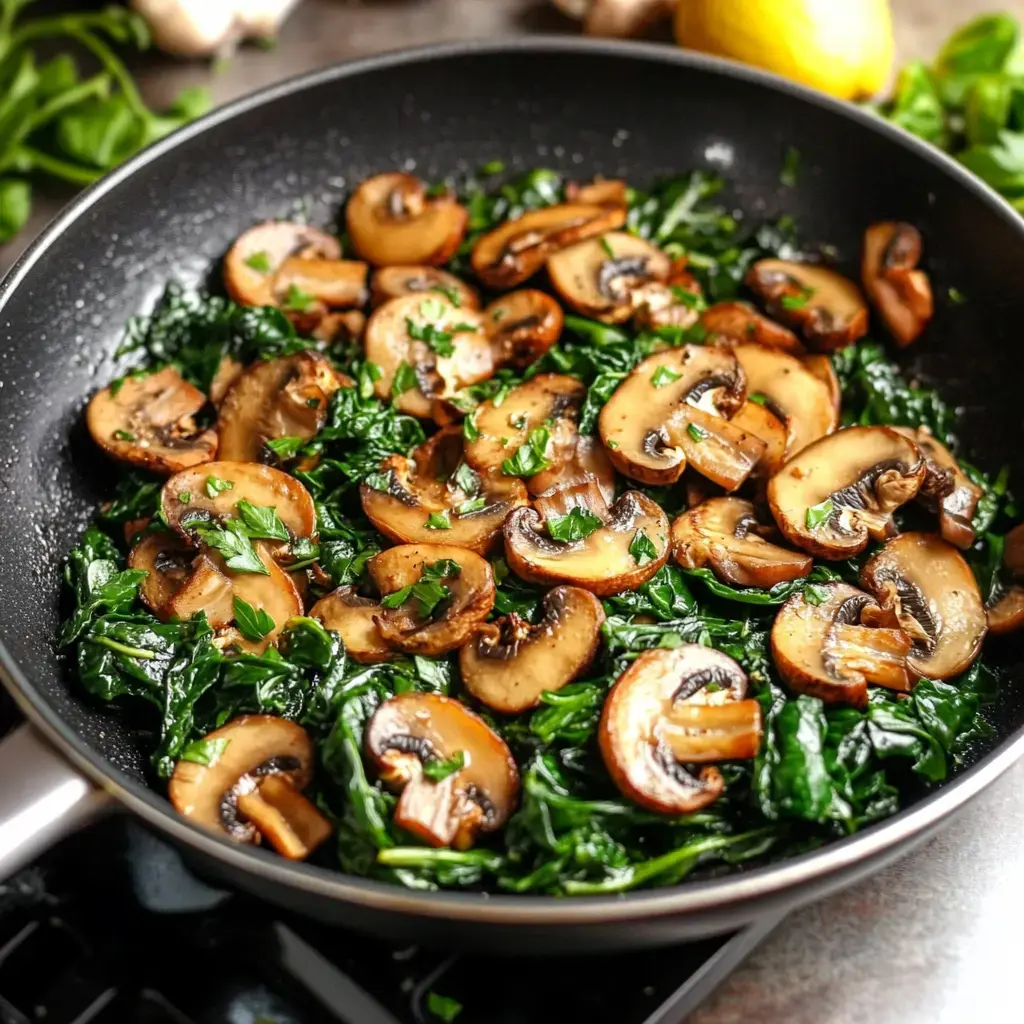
(843, 47)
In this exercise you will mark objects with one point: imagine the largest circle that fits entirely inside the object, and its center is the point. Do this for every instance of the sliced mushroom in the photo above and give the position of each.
(450, 622)
(900, 293)
(344, 611)
(789, 389)
(229, 370)
(166, 559)
(600, 191)
(414, 730)
(522, 326)
(588, 461)
(617, 18)
(515, 251)
(827, 308)
(821, 647)
(951, 493)
(720, 449)
(394, 282)
(1013, 551)
(393, 222)
(623, 553)
(633, 423)
(509, 663)
(672, 708)
(549, 401)
(285, 397)
(334, 284)
(238, 789)
(430, 346)
(1007, 614)
(843, 489)
(598, 277)
(436, 484)
(149, 421)
(757, 419)
(211, 588)
(935, 598)
(252, 263)
(820, 365)
(211, 493)
(732, 323)
(724, 535)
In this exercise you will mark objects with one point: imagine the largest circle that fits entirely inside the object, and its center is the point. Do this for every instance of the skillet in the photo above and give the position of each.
(583, 107)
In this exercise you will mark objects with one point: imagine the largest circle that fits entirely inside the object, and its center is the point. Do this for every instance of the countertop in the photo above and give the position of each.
(936, 939)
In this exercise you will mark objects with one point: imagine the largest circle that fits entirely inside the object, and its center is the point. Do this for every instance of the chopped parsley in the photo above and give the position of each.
(215, 485)
(790, 167)
(124, 435)
(819, 515)
(253, 623)
(184, 497)
(445, 569)
(687, 298)
(530, 458)
(234, 544)
(469, 507)
(449, 292)
(663, 375)
(286, 447)
(296, 300)
(431, 309)
(438, 521)
(438, 771)
(444, 1008)
(697, 433)
(757, 398)
(369, 374)
(492, 167)
(439, 341)
(379, 481)
(259, 261)
(469, 427)
(642, 548)
(577, 525)
(607, 246)
(797, 301)
(465, 479)
(956, 296)
(815, 594)
(262, 521)
(405, 379)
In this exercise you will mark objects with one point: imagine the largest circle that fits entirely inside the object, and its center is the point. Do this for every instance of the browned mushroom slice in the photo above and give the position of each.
(522, 326)
(165, 558)
(426, 349)
(821, 647)
(1013, 551)
(790, 390)
(252, 263)
(344, 611)
(540, 414)
(336, 284)
(413, 500)
(842, 490)
(434, 596)
(607, 549)
(724, 535)
(149, 421)
(599, 277)
(285, 397)
(517, 249)
(900, 293)
(456, 775)
(600, 192)
(229, 370)
(211, 493)
(633, 421)
(212, 588)
(1007, 614)
(245, 781)
(509, 664)
(715, 447)
(671, 708)
(588, 461)
(827, 308)
(947, 489)
(394, 282)
(820, 365)
(393, 222)
(936, 600)
(739, 323)
(757, 419)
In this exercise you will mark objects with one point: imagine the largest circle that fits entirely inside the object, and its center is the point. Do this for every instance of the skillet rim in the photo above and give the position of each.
(819, 870)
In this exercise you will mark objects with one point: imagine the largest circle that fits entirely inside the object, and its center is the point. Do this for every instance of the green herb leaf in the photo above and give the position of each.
(234, 544)
(469, 428)
(438, 771)
(405, 379)
(790, 167)
(398, 597)
(285, 448)
(215, 486)
(184, 497)
(642, 548)
(439, 341)
(451, 293)
(531, 457)
(253, 623)
(15, 206)
(205, 752)
(259, 261)
(467, 508)
(492, 167)
(687, 298)
(465, 479)
(445, 569)
(797, 301)
(697, 433)
(607, 246)
(432, 309)
(438, 521)
(820, 514)
(296, 300)
(262, 521)
(815, 594)
(757, 398)
(444, 1008)
(124, 435)
(663, 375)
(369, 374)
(578, 524)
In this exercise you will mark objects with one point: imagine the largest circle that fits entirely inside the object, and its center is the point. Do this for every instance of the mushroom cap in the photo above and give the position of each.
(454, 620)
(522, 326)
(900, 293)
(549, 400)
(257, 745)
(259, 485)
(842, 490)
(509, 664)
(517, 249)
(166, 559)
(229, 370)
(396, 281)
(935, 596)
(633, 422)
(1007, 614)
(598, 276)
(432, 482)
(269, 245)
(660, 714)
(822, 648)
(389, 343)
(827, 307)
(1013, 551)
(413, 728)
(284, 397)
(724, 535)
(733, 323)
(148, 421)
(820, 365)
(588, 460)
(345, 612)
(393, 222)
(791, 391)
(602, 562)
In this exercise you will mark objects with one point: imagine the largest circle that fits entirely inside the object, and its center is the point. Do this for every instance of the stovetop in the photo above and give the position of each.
(110, 927)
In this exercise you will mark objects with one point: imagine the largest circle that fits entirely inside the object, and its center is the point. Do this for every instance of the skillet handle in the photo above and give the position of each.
(42, 799)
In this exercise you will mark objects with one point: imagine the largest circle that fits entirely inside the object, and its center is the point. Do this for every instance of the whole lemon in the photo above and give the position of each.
(843, 47)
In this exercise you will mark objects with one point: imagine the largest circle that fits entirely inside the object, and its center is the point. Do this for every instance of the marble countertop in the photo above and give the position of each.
(932, 940)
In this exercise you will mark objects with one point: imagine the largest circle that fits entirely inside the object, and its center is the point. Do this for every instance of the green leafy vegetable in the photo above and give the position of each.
(205, 752)
(642, 548)
(438, 771)
(253, 623)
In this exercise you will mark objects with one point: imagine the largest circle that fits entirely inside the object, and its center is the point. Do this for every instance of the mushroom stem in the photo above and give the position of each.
(697, 733)
(283, 816)
(723, 452)
(879, 655)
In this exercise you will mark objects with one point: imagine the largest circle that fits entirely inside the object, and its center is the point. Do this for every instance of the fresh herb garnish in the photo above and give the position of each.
(259, 261)
(438, 771)
(215, 485)
(261, 521)
(285, 448)
(439, 341)
(820, 514)
(607, 246)
(663, 375)
(296, 300)
(232, 541)
(578, 524)
(790, 167)
(405, 379)
(438, 521)
(205, 752)
(697, 433)
(124, 435)
(253, 623)
(469, 507)
(530, 458)
(642, 548)
(444, 1008)
(757, 398)
(798, 301)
